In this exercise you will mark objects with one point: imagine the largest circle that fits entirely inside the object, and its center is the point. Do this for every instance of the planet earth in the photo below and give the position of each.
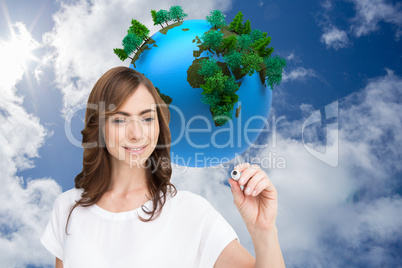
(197, 141)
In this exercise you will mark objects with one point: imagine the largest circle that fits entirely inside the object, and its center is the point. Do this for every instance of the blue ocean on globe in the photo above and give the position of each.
(196, 141)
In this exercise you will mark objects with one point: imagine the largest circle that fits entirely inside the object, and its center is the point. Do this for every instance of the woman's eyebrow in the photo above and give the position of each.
(141, 113)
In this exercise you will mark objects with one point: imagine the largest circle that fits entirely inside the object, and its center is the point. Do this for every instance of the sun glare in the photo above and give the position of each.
(17, 51)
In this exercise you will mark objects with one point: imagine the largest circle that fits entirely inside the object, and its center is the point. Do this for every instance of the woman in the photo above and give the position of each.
(103, 221)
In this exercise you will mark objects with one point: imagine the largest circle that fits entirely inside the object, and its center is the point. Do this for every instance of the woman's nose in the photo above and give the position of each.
(134, 130)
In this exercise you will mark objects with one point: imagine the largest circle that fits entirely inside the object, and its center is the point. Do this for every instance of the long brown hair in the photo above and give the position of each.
(107, 96)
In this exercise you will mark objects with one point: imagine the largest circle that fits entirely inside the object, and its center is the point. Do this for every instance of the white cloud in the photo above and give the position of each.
(326, 4)
(335, 38)
(306, 108)
(24, 210)
(370, 13)
(368, 16)
(326, 215)
(300, 73)
(84, 36)
(319, 198)
(376, 121)
(291, 56)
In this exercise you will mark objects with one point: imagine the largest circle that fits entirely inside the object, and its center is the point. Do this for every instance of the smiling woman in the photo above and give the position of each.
(130, 101)
(126, 176)
(101, 222)
(130, 135)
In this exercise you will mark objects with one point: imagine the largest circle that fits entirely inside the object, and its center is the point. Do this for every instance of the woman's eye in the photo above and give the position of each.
(118, 121)
(149, 119)
(123, 121)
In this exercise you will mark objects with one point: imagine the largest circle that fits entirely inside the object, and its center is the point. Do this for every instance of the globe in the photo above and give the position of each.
(196, 140)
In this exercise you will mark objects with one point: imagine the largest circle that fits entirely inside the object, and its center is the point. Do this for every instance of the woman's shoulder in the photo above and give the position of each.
(69, 197)
(190, 199)
(189, 195)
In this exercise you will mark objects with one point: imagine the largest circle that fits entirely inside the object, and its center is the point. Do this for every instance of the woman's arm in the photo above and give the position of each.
(258, 206)
(267, 250)
(234, 255)
(59, 263)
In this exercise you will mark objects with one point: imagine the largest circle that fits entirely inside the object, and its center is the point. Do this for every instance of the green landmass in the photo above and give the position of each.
(220, 109)
(168, 100)
(171, 26)
(238, 111)
(193, 77)
(185, 29)
(238, 73)
(224, 68)
(219, 52)
(196, 80)
(201, 48)
(144, 47)
(198, 40)
(226, 34)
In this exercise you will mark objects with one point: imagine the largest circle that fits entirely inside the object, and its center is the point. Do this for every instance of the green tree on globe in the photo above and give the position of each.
(214, 78)
(216, 18)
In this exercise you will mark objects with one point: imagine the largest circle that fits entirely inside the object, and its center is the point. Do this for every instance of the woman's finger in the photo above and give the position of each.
(247, 173)
(254, 181)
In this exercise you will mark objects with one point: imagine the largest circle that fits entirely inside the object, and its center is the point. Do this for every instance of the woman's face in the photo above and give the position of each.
(134, 126)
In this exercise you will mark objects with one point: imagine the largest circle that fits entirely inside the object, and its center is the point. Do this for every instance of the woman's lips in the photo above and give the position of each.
(134, 151)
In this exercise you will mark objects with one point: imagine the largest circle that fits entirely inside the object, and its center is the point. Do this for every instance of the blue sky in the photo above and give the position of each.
(339, 201)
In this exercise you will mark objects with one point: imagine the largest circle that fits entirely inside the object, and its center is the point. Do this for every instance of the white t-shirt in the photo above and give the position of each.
(189, 232)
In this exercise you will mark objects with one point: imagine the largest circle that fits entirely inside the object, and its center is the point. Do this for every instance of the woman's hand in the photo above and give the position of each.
(257, 203)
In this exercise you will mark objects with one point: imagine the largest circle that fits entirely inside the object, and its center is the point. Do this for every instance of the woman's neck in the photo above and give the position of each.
(125, 179)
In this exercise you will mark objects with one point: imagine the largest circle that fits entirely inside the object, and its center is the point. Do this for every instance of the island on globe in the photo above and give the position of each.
(205, 130)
